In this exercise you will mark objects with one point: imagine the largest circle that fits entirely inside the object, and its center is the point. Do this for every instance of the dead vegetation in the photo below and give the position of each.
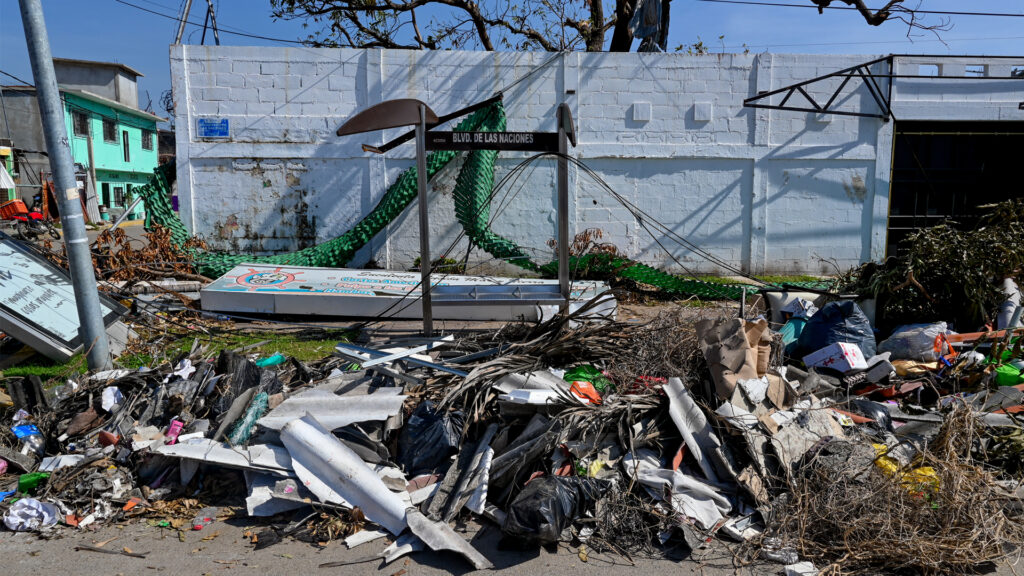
(858, 519)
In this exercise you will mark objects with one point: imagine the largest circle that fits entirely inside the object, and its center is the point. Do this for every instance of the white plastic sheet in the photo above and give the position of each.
(697, 433)
(689, 495)
(30, 514)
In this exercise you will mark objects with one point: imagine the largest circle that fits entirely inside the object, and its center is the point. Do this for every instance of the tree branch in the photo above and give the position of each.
(874, 18)
(530, 33)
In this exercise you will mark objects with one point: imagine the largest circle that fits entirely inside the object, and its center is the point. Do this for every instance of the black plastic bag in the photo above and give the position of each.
(429, 439)
(837, 322)
(548, 505)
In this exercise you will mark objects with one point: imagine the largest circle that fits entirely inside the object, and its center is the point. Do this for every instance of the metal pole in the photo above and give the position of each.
(563, 205)
(743, 303)
(184, 19)
(421, 180)
(213, 21)
(90, 315)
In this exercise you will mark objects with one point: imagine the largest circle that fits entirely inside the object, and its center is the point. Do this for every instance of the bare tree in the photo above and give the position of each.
(550, 25)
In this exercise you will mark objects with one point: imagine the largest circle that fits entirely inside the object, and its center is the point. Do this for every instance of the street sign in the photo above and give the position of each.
(213, 128)
(520, 141)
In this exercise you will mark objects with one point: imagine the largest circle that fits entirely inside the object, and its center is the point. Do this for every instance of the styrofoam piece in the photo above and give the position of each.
(736, 415)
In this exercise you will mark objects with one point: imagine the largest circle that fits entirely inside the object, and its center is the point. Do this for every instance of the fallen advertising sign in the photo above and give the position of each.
(37, 302)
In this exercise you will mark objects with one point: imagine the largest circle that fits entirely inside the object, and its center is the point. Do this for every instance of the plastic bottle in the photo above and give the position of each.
(31, 440)
(274, 360)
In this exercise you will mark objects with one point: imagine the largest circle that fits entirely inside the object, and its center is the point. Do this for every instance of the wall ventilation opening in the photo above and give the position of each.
(975, 70)
(928, 70)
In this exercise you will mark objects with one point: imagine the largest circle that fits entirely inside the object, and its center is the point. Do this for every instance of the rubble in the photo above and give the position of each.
(789, 441)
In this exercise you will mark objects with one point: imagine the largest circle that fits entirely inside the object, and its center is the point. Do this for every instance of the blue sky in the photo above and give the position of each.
(110, 31)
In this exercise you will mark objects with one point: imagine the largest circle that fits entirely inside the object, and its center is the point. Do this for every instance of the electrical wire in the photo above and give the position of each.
(643, 218)
(116, 118)
(220, 28)
(26, 83)
(943, 40)
(816, 7)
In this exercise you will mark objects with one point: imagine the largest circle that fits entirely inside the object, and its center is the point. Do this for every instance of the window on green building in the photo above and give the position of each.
(124, 146)
(118, 195)
(80, 123)
(109, 130)
(147, 139)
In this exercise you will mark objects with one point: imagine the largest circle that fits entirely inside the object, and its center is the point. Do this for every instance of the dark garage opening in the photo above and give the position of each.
(949, 170)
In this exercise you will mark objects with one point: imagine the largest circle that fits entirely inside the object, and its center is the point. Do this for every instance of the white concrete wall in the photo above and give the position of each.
(764, 191)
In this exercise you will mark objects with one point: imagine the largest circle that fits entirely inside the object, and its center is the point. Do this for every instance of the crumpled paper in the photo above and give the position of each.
(30, 514)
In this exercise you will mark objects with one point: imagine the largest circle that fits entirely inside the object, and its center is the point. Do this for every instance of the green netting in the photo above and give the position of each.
(334, 253)
(473, 189)
(472, 196)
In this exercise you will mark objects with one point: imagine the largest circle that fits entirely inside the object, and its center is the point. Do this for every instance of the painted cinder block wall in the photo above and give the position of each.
(765, 191)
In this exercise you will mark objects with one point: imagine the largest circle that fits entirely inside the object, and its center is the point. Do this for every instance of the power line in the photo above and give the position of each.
(814, 6)
(943, 40)
(222, 29)
(26, 83)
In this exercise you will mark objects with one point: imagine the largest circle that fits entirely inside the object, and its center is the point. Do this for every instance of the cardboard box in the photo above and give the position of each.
(840, 356)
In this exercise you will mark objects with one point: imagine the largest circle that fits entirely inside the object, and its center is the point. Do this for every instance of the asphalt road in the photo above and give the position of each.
(229, 552)
(221, 548)
(134, 229)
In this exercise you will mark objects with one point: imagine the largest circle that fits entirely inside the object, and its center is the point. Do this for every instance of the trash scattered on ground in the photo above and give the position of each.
(821, 442)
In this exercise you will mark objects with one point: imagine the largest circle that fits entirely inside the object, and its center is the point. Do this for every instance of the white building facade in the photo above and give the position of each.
(767, 191)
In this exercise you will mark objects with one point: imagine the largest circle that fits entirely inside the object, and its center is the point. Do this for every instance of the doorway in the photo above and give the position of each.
(950, 170)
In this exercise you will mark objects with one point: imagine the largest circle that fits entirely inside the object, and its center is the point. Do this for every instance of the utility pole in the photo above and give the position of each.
(90, 316)
(213, 20)
(184, 19)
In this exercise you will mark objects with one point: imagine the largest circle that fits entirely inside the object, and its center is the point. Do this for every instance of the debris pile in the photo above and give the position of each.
(801, 434)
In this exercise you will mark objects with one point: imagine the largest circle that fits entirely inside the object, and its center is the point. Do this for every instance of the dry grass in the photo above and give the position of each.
(864, 521)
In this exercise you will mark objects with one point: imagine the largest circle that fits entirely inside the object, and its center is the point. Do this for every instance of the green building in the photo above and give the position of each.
(113, 142)
(118, 142)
